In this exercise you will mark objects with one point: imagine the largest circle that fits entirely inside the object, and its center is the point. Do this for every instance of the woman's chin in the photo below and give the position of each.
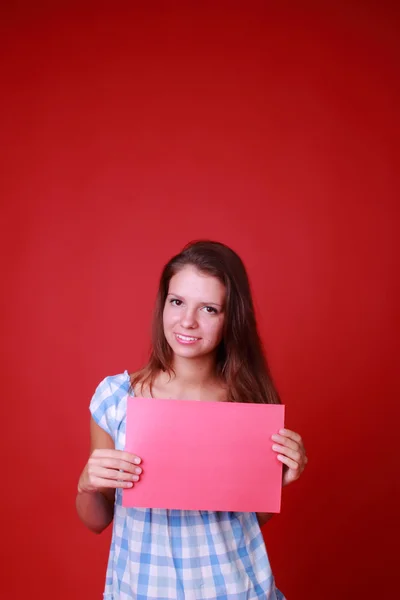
(186, 350)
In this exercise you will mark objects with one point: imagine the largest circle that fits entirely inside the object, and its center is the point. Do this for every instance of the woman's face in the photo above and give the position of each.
(193, 316)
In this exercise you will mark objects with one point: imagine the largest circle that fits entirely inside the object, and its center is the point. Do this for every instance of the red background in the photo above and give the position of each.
(127, 132)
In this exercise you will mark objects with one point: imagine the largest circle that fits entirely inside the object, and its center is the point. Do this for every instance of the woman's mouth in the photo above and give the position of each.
(186, 339)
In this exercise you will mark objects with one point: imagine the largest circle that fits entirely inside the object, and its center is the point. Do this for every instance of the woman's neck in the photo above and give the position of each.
(192, 375)
(195, 371)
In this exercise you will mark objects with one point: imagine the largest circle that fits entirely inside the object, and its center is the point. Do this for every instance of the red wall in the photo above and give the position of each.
(127, 133)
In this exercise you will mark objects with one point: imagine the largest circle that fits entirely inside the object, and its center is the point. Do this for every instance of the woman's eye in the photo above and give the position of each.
(210, 310)
(176, 302)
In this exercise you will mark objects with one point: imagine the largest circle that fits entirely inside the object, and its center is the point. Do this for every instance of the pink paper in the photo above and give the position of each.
(204, 455)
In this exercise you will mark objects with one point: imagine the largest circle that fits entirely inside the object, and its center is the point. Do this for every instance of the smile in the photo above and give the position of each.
(185, 339)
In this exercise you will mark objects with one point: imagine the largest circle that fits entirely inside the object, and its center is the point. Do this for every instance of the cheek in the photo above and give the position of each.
(169, 318)
(215, 329)
(165, 319)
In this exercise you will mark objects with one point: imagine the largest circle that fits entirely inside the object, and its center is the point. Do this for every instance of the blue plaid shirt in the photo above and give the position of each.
(178, 554)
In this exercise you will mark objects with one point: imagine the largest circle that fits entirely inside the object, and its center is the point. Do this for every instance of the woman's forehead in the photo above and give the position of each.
(191, 282)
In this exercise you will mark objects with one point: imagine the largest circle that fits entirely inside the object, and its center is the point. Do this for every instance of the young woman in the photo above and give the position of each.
(205, 348)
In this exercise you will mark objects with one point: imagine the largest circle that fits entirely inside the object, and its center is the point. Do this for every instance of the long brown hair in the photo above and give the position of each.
(240, 360)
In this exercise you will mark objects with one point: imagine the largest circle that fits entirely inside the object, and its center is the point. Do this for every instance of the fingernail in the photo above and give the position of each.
(275, 447)
(282, 431)
(135, 477)
(129, 484)
(275, 437)
(137, 461)
(138, 470)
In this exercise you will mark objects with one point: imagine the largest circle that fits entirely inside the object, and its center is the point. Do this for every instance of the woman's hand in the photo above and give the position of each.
(291, 453)
(108, 468)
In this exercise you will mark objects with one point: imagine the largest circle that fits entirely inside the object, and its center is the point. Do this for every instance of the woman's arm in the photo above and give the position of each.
(292, 454)
(95, 508)
(106, 470)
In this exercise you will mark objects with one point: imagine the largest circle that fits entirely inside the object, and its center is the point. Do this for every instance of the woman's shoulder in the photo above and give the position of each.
(112, 383)
(111, 389)
(140, 384)
(108, 403)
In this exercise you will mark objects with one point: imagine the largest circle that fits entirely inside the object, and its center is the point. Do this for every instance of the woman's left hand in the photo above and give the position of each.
(291, 453)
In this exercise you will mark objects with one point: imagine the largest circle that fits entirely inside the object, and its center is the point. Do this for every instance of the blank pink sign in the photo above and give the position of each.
(204, 455)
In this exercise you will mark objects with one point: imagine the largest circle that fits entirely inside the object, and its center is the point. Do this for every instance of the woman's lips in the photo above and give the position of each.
(186, 339)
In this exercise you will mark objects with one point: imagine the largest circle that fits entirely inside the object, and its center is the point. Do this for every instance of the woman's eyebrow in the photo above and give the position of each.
(204, 303)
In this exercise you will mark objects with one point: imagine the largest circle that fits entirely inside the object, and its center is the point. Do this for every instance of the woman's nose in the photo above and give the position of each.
(188, 319)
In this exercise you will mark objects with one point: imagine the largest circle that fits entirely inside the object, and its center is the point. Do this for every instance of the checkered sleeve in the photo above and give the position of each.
(105, 405)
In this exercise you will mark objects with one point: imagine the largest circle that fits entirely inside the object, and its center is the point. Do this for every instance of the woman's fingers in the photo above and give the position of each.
(289, 462)
(295, 455)
(117, 454)
(98, 483)
(286, 441)
(112, 474)
(114, 463)
(291, 435)
(291, 452)
(110, 468)
(290, 444)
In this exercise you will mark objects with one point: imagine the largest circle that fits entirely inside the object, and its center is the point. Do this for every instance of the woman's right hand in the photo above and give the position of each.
(107, 468)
